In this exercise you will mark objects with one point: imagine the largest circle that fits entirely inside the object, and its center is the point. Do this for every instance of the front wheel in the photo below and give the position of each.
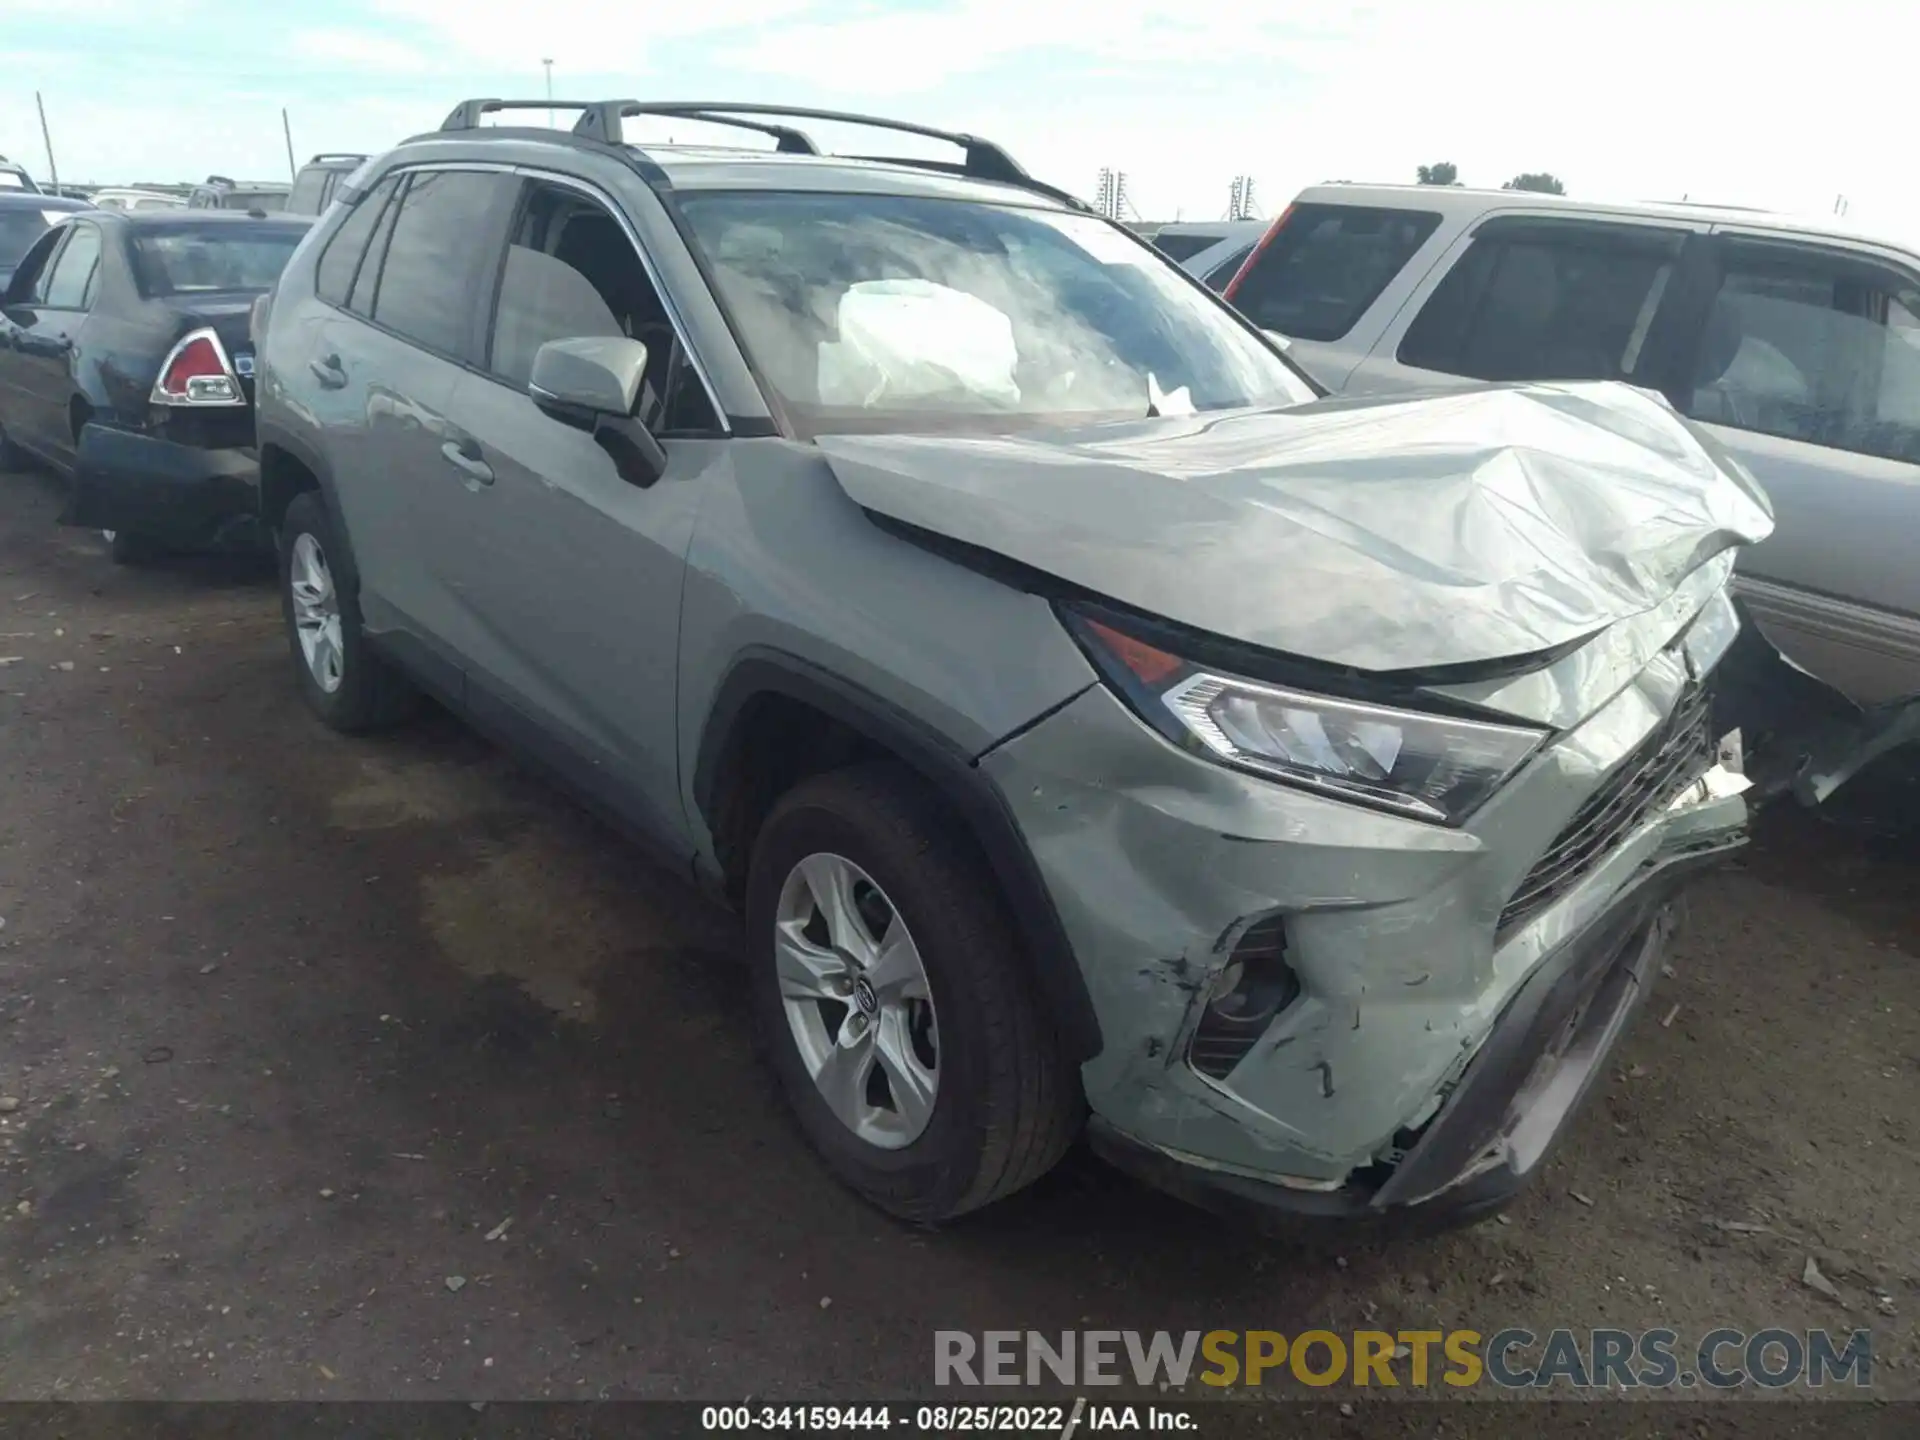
(898, 1008)
(341, 677)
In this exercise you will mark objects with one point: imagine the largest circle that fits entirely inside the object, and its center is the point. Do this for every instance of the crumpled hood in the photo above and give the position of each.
(1383, 534)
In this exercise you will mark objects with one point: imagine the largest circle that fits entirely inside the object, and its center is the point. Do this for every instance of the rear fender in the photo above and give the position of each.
(174, 494)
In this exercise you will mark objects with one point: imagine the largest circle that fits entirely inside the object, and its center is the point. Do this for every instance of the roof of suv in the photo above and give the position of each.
(1462, 202)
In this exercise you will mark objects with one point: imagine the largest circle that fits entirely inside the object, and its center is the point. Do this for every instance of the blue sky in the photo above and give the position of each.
(1647, 99)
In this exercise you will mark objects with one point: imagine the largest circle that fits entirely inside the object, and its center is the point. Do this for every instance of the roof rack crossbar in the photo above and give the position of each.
(603, 122)
(984, 159)
(468, 114)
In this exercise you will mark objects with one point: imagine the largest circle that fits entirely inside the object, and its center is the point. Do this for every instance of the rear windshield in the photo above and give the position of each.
(882, 312)
(222, 257)
(1326, 265)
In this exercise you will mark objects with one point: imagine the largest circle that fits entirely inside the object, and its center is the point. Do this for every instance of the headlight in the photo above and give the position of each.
(1425, 766)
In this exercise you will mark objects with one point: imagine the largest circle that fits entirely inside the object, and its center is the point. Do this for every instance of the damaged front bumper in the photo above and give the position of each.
(1435, 1034)
(178, 495)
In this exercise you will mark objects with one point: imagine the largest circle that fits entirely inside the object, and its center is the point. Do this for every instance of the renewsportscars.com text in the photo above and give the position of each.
(1514, 1358)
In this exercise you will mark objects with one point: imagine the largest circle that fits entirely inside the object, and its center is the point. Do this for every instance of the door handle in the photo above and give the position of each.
(464, 456)
(329, 372)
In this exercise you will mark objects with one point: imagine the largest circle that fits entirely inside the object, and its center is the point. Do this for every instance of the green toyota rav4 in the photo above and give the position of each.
(1098, 729)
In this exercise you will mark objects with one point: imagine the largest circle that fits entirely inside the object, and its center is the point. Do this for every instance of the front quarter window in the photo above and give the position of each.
(868, 312)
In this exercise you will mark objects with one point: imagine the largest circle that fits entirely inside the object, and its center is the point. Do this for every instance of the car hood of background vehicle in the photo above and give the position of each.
(1380, 534)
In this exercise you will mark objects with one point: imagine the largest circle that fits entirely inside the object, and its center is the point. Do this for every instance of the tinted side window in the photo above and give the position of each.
(1327, 263)
(309, 191)
(570, 272)
(30, 277)
(1545, 300)
(71, 281)
(1813, 345)
(333, 280)
(427, 282)
(366, 285)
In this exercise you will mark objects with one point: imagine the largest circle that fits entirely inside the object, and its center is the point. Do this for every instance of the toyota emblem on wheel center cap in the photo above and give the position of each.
(864, 997)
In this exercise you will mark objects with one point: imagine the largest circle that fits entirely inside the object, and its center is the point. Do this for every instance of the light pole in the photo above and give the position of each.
(549, 65)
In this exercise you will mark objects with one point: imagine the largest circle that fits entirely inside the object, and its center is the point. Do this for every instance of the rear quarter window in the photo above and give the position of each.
(1326, 264)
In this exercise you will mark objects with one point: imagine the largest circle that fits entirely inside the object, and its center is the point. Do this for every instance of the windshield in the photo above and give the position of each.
(866, 310)
(225, 257)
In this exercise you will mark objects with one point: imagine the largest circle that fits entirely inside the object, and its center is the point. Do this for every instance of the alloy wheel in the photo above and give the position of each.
(857, 1000)
(316, 612)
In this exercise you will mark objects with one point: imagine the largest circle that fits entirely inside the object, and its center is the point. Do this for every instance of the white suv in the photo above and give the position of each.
(1797, 347)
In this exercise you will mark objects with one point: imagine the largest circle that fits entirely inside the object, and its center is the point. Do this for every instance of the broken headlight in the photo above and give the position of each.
(1424, 766)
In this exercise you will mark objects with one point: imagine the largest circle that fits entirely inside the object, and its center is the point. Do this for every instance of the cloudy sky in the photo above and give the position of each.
(1737, 103)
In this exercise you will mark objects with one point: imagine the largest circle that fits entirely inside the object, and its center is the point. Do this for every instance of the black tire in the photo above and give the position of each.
(1008, 1103)
(372, 695)
(126, 548)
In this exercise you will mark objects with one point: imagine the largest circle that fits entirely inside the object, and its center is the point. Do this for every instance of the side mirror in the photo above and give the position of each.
(593, 383)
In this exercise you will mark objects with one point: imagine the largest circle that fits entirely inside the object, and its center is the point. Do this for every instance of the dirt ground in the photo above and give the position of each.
(292, 1025)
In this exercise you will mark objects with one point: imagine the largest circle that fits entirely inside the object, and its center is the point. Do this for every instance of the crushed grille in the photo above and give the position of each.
(1660, 768)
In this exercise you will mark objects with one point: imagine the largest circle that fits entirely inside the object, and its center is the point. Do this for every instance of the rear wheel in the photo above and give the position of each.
(342, 678)
(124, 547)
(897, 1008)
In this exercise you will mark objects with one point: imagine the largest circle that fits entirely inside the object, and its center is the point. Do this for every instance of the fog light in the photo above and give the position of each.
(1254, 986)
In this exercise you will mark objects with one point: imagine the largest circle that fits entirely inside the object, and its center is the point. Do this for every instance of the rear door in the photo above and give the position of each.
(1317, 274)
(43, 339)
(568, 576)
(402, 273)
(20, 405)
(1533, 297)
(1806, 364)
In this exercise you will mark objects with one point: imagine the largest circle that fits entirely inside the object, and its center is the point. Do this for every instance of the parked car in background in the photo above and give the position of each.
(221, 193)
(1796, 346)
(24, 217)
(313, 188)
(1177, 239)
(1081, 712)
(126, 367)
(1217, 262)
(121, 197)
(15, 177)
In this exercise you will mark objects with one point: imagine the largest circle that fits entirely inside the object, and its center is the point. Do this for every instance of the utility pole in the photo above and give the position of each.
(549, 65)
(286, 129)
(1240, 198)
(1111, 198)
(46, 135)
(1840, 205)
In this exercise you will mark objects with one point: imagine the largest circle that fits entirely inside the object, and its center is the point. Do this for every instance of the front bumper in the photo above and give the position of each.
(1512, 1104)
(1436, 1045)
(182, 496)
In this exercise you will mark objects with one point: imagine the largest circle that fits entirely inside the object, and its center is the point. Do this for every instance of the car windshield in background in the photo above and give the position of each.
(20, 228)
(12, 180)
(865, 310)
(222, 257)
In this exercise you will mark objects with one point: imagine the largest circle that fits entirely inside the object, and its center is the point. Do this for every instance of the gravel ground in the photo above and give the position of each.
(349, 1069)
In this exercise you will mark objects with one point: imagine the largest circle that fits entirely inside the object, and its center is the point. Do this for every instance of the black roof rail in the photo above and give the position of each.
(984, 159)
(468, 114)
(601, 121)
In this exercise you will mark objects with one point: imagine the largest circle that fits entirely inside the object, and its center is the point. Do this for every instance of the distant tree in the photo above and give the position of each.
(1539, 181)
(1445, 173)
